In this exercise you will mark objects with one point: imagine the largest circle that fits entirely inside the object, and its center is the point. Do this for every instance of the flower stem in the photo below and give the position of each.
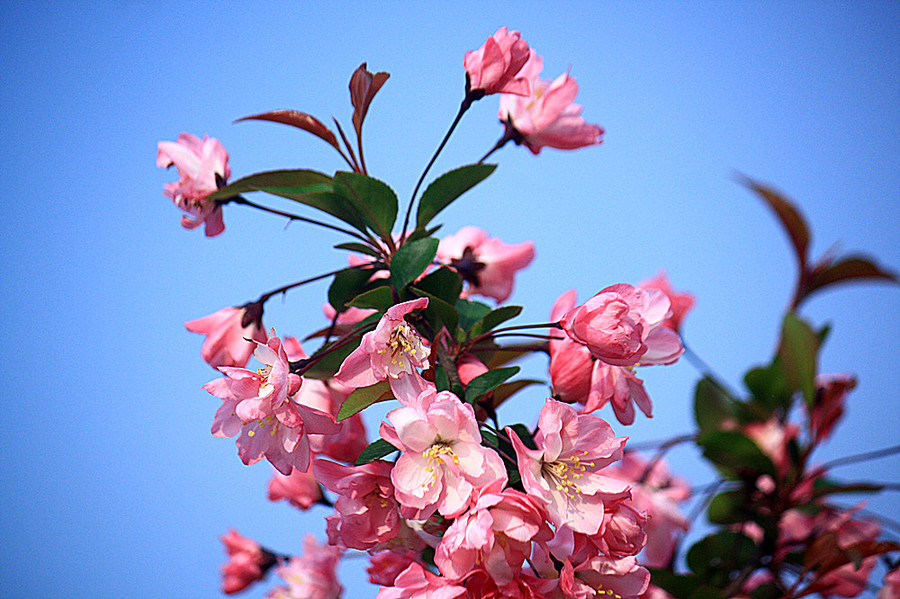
(862, 457)
(290, 216)
(266, 296)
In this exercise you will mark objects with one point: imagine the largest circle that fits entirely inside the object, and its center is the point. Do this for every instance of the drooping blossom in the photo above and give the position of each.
(831, 389)
(230, 334)
(657, 493)
(385, 566)
(202, 165)
(487, 265)
(548, 116)
(622, 325)
(392, 352)
(312, 575)
(260, 406)
(565, 471)
(415, 582)
(496, 533)
(443, 461)
(681, 301)
(494, 67)
(366, 509)
(299, 487)
(603, 577)
(247, 562)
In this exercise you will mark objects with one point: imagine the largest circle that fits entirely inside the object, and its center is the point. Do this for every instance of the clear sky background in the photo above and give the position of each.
(112, 485)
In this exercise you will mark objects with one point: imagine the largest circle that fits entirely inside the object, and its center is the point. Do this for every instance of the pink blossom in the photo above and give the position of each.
(393, 352)
(773, 438)
(621, 325)
(368, 513)
(494, 67)
(604, 577)
(481, 585)
(657, 493)
(247, 562)
(418, 583)
(564, 471)
(230, 333)
(487, 265)
(549, 115)
(386, 566)
(311, 575)
(891, 588)
(681, 302)
(496, 533)
(260, 406)
(202, 165)
(443, 461)
(300, 488)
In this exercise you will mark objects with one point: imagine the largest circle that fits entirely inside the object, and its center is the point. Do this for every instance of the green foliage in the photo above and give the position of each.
(797, 356)
(717, 557)
(410, 260)
(300, 180)
(683, 585)
(373, 199)
(375, 451)
(712, 405)
(444, 283)
(347, 284)
(493, 319)
(362, 398)
(470, 312)
(380, 298)
(447, 188)
(485, 383)
(735, 454)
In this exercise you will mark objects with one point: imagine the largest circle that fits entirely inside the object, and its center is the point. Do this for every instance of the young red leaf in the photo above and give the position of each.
(301, 120)
(845, 270)
(363, 87)
(787, 213)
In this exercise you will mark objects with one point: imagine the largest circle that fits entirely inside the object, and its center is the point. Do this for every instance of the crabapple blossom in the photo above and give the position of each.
(415, 582)
(312, 575)
(393, 352)
(247, 562)
(487, 265)
(681, 302)
(564, 472)
(299, 487)
(202, 165)
(259, 405)
(385, 566)
(367, 511)
(495, 67)
(443, 461)
(891, 588)
(621, 325)
(548, 116)
(230, 333)
(604, 578)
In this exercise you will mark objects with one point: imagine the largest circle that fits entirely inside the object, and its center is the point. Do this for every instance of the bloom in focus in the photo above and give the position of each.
(495, 66)
(202, 166)
(549, 115)
(227, 333)
(487, 265)
(681, 301)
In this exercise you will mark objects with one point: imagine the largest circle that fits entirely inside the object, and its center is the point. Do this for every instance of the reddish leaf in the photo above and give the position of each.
(363, 87)
(787, 213)
(301, 120)
(847, 269)
(839, 557)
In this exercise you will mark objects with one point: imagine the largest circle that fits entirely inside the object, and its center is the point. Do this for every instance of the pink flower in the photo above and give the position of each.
(549, 115)
(227, 332)
(496, 533)
(368, 513)
(564, 471)
(299, 487)
(681, 302)
(202, 165)
(247, 562)
(311, 575)
(386, 566)
(891, 588)
(621, 325)
(487, 265)
(443, 461)
(495, 66)
(604, 577)
(418, 583)
(260, 406)
(656, 492)
(393, 351)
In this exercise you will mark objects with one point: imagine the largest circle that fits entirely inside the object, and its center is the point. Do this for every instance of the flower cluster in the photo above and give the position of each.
(447, 502)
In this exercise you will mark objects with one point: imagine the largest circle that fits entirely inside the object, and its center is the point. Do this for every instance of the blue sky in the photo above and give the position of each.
(112, 484)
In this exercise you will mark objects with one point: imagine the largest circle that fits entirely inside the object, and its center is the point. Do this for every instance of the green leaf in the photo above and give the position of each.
(768, 387)
(714, 557)
(494, 318)
(444, 283)
(373, 199)
(683, 585)
(524, 435)
(381, 298)
(347, 284)
(327, 201)
(507, 390)
(728, 508)
(410, 260)
(326, 367)
(470, 312)
(375, 451)
(735, 453)
(449, 186)
(797, 356)
(303, 180)
(359, 247)
(483, 384)
(438, 313)
(712, 405)
(362, 398)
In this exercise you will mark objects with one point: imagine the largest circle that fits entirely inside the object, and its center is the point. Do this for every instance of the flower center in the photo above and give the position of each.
(405, 344)
(563, 474)
(608, 593)
(434, 455)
